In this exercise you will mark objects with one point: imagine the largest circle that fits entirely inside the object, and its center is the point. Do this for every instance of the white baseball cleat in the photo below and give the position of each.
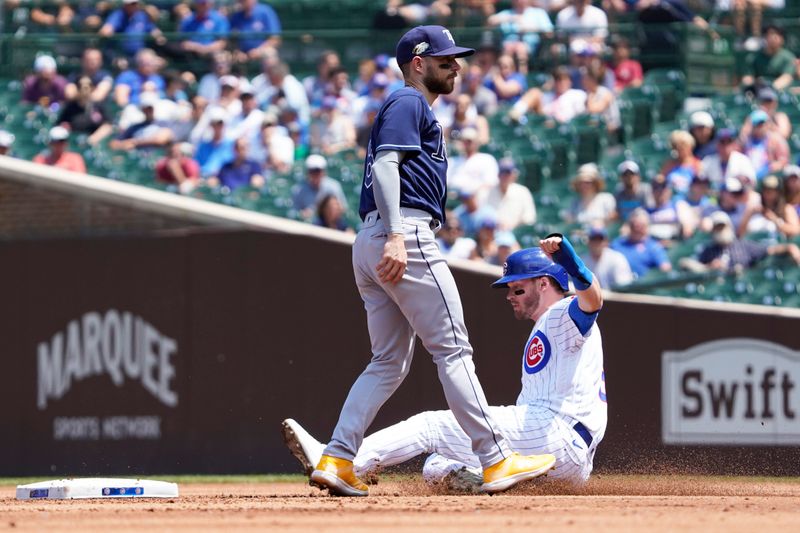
(452, 476)
(462, 481)
(303, 446)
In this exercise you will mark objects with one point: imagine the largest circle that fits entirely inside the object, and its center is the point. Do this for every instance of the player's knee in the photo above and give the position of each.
(390, 364)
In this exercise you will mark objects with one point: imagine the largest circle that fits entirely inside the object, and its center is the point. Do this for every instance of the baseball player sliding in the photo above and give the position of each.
(404, 281)
(561, 409)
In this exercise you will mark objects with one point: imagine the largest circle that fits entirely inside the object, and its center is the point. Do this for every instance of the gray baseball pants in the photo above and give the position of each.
(426, 303)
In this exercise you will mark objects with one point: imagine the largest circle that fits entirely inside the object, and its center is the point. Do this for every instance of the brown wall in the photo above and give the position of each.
(270, 326)
(27, 211)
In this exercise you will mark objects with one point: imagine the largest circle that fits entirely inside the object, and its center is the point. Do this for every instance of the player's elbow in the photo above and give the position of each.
(591, 299)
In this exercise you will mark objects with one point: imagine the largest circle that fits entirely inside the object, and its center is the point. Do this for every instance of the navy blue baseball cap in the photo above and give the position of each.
(598, 233)
(433, 41)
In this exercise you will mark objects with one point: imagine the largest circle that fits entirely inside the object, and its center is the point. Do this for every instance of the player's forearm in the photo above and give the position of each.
(590, 296)
(591, 299)
(386, 185)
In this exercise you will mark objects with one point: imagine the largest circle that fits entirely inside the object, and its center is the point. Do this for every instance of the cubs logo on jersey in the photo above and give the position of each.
(537, 353)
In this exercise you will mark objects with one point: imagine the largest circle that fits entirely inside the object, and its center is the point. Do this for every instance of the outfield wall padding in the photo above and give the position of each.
(182, 353)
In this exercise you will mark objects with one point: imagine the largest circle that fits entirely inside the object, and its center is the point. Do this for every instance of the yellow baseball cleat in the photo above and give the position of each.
(337, 476)
(515, 469)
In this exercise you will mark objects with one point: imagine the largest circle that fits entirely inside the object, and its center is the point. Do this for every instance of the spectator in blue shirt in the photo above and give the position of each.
(218, 150)
(505, 81)
(131, 21)
(306, 196)
(631, 192)
(254, 18)
(129, 84)
(642, 251)
(208, 27)
(241, 171)
(471, 213)
(521, 26)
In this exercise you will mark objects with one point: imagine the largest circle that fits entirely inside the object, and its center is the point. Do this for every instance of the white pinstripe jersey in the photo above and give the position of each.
(562, 370)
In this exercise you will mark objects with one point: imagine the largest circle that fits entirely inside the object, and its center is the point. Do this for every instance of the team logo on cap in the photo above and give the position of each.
(537, 353)
(421, 48)
(505, 268)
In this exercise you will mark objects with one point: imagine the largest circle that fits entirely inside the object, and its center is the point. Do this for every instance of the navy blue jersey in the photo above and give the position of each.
(406, 123)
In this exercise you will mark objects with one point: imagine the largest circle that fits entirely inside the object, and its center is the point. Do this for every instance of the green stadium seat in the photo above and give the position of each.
(590, 138)
(639, 109)
(671, 86)
(527, 236)
(558, 144)
(662, 131)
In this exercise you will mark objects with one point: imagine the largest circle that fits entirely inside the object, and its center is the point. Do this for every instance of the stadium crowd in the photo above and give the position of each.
(226, 130)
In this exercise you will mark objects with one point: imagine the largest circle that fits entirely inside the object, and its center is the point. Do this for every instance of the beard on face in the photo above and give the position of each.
(436, 85)
(528, 304)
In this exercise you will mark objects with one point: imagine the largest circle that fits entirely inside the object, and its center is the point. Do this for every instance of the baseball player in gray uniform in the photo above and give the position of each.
(403, 279)
(561, 409)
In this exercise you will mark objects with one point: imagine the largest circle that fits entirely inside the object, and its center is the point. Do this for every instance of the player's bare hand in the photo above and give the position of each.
(550, 245)
(392, 265)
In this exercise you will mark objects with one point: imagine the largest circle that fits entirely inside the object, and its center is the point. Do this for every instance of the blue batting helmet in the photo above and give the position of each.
(531, 263)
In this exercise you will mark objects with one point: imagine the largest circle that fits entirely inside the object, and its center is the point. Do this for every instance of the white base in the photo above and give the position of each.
(96, 487)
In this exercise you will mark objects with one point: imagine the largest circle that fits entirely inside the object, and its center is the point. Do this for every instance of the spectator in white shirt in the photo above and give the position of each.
(512, 202)
(521, 26)
(601, 100)
(728, 162)
(273, 147)
(246, 123)
(562, 104)
(277, 83)
(474, 171)
(593, 206)
(334, 130)
(209, 86)
(228, 102)
(610, 266)
(582, 20)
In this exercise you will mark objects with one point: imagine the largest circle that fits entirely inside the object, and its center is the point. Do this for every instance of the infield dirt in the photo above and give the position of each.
(607, 503)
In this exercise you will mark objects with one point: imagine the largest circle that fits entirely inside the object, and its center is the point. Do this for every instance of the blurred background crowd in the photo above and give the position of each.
(598, 120)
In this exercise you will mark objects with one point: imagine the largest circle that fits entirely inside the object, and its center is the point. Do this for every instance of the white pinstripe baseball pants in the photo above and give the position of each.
(529, 430)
